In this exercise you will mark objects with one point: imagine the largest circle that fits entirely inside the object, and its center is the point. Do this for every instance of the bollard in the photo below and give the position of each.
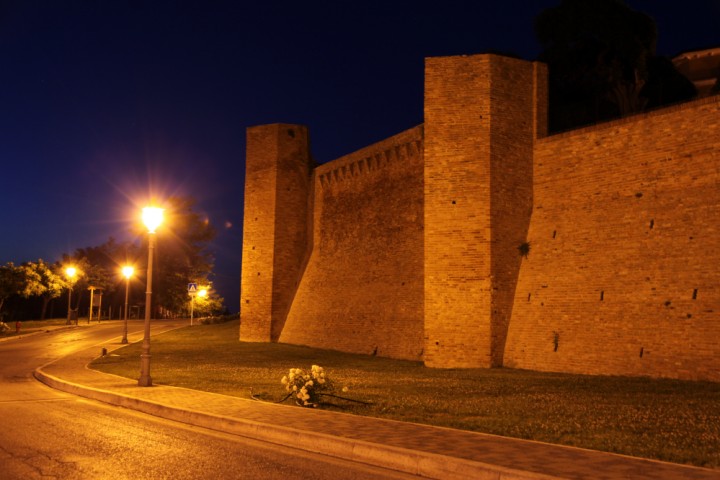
(104, 351)
(17, 327)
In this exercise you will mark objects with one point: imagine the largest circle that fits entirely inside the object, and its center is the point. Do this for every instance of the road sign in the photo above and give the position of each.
(192, 288)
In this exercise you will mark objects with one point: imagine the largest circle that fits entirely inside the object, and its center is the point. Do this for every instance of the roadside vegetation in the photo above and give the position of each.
(670, 420)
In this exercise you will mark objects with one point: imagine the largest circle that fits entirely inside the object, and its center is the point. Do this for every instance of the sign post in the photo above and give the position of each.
(192, 291)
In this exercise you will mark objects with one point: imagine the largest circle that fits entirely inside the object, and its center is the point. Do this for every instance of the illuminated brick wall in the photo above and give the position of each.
(622, 277)
(275, 232)
(408, 248)
(479, 132)
(362, 290)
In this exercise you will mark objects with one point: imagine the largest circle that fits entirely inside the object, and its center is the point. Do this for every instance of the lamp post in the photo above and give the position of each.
(92, 302)
(127, 272)
(70, 272)
(152, 218)
(192, 305)
(200, 293)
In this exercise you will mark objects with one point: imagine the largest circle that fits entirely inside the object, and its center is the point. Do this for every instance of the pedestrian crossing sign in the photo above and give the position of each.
(192, 288)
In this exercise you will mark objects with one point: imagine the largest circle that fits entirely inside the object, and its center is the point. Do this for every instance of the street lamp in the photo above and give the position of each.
(200, 293)
(127, 272)
(152, 217)
(71, 272)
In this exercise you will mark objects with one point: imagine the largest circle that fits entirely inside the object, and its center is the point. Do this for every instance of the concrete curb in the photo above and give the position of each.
(423, 464)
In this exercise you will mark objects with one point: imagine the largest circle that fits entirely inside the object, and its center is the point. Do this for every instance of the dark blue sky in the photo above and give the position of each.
(105, 102)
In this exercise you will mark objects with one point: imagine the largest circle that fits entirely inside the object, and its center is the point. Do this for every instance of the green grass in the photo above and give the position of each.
(669, 420)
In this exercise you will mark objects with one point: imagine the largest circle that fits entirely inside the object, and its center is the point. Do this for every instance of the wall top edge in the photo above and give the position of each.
(408, 136)
(479, 56)
(277, 125)
(638, 117)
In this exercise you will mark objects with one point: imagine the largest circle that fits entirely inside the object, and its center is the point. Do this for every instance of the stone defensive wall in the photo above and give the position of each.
(362, 288)
(622, 275)
(476, 240)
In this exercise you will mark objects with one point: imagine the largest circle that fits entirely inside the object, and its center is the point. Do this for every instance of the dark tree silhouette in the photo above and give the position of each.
(602, 63)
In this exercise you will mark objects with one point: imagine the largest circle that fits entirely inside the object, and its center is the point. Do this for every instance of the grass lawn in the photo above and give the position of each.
(669, 420)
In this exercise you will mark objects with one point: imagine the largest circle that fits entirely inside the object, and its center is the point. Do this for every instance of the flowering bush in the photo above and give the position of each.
(307, 387)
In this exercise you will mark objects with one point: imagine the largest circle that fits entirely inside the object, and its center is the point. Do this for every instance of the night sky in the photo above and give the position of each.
(105, 103)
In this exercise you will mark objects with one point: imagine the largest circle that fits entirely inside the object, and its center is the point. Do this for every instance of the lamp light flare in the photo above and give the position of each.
(71, 272)
(202, 293)
(128, 271)
(152, 217)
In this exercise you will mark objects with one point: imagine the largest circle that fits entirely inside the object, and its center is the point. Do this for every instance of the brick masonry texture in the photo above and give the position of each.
(409, 248)
(275, 236)
(362, 289)
(623, 273)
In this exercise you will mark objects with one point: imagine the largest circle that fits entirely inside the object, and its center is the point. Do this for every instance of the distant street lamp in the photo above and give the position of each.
(127, 272)
(152, 217)
(200, 293)
(71, 272)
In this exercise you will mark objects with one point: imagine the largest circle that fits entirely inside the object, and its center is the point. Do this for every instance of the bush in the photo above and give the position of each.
(218, 319)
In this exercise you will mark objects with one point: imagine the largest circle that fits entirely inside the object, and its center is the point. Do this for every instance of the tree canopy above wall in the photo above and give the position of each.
(602, 63)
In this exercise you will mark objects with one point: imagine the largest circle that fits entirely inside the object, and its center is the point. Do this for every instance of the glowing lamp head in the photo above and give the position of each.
(202, 293)
(71, 272)
(127, 272)
(152, 217)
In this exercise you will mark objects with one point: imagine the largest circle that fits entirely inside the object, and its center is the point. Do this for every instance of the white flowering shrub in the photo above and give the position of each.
(307, 387)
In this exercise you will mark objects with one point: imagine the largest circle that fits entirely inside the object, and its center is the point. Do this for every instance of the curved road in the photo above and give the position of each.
(49, 434)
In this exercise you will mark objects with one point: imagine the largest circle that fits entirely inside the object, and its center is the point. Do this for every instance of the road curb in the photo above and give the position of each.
(423, 464)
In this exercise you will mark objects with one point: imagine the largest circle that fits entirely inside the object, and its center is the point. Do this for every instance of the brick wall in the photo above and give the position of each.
(275, 234)
(409, 248)
(514, 118)
(362, 287)
(622, 277)
(479, 130)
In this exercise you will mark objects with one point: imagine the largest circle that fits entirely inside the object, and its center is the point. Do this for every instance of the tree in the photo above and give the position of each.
(41, 279)
(11, 282)
(208, 304)
(602, 63)
(100, 267)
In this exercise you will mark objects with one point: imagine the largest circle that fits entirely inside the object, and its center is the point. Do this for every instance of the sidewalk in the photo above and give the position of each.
(431, 452)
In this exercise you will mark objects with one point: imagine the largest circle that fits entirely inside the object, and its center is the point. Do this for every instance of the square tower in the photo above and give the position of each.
(275, 231)
(482, 115)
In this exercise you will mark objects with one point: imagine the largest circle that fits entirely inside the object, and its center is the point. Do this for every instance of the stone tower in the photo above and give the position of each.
(275, 228)
(482, 115)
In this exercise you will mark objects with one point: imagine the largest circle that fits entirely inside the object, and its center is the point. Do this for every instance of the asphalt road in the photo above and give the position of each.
(49, 434)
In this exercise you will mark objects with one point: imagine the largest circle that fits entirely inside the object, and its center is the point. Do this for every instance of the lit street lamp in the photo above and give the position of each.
(152, 217)
(127, 272)
(71, 272)
(200, 293)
